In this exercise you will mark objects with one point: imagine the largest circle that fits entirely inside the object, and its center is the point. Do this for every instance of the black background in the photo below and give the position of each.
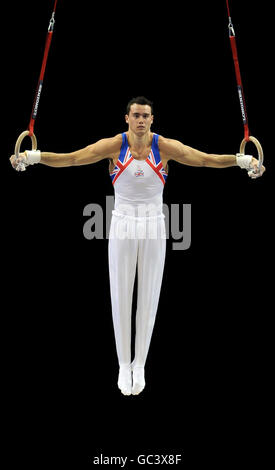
(208, 367)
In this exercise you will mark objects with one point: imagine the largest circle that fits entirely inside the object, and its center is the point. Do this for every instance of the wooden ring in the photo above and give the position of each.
(258, 146)
(19, 142)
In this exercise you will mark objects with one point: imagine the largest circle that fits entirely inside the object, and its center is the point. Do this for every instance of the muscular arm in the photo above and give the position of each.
(104, 148)
(175, 150)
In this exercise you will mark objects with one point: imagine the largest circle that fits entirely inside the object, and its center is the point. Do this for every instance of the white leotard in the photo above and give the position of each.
(138, 184)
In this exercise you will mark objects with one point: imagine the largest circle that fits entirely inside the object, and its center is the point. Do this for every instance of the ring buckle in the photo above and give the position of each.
(231, 28)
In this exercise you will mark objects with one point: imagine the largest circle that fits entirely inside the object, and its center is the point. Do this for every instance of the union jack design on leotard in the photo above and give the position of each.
(154, 160)
(125, 158)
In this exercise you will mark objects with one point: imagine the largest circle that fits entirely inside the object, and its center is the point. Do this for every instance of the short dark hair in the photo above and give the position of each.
(139, 100)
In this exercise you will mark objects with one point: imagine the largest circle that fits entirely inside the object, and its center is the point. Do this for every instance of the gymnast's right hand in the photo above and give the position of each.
(19, 163)
(29, 157)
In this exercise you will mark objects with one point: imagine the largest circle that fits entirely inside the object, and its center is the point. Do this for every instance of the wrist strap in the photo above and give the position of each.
(33, 156)
(244, 161)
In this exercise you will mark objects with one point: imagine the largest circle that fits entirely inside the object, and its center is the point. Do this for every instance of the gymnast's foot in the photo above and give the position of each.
(125, 379)
(138, 380)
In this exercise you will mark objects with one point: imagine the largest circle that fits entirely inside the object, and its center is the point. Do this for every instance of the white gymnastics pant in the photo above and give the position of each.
(135, 244)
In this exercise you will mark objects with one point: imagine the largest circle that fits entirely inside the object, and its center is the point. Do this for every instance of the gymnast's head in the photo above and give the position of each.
(139, 115)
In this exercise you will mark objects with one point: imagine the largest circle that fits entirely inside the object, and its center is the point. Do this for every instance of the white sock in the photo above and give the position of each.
(138, 380)
(125, 379)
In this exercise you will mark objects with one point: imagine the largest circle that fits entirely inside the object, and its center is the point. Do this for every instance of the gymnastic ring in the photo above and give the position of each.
(19, 142)
(258, 146)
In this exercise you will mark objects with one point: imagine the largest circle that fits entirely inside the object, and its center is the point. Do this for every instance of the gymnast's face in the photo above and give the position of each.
(139, 119)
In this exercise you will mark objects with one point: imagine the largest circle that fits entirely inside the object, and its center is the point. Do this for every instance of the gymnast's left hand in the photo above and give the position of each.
(255, 171)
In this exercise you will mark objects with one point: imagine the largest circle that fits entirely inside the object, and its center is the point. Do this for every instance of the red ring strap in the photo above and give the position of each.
(238, 75)
(42, 72)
